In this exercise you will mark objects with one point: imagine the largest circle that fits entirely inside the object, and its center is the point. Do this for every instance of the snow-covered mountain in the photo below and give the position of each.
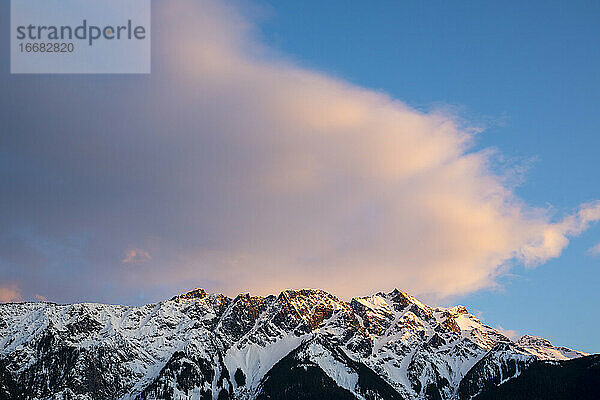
(299, 344)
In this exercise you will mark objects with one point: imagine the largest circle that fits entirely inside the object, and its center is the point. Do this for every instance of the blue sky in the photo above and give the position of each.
(324, 144)
(528, 71)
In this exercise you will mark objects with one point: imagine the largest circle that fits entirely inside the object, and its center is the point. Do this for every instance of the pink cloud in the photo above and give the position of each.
(240, 170)
(348, 189)
(509, 333)
(136, 256)
(10, 293)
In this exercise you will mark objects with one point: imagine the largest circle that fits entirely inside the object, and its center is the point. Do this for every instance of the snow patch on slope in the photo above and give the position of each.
(255, 361)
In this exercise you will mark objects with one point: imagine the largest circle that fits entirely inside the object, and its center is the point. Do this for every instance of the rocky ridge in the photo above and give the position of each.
(210, 346)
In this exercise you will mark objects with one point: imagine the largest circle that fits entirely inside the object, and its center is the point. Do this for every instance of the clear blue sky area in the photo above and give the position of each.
(529, 71)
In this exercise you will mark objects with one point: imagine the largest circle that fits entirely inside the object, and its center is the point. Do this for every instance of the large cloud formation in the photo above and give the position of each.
(236, 170)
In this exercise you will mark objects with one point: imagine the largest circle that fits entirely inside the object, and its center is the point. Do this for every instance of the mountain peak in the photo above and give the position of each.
(533, 341)
(197, 293)
(544, 350)
(459, 310)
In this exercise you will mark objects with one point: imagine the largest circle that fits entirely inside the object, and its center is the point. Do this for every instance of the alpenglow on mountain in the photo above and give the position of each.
(304, 344)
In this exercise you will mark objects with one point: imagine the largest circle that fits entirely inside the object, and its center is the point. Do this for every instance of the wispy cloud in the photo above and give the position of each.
(555, 236)
(39, 297)
(595, 250)
(136, 256)
(10, 293)
(248, 172)
(509, 333)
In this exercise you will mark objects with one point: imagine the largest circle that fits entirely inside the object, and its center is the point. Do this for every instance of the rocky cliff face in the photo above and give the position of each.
(304, 344)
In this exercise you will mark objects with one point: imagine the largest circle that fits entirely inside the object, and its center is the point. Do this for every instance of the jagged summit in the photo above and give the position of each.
(211, 346)
(395, 295)
(544, 350)
(197, 293)
(530, 340)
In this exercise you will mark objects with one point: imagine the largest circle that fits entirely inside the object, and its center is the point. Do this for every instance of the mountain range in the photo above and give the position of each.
(300, 344)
